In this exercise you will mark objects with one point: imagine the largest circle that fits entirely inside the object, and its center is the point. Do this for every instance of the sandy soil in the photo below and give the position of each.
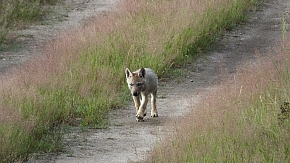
(125, 140)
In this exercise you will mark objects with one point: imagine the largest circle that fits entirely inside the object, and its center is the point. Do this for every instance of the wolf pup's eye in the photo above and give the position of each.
(131, 84)
(139, 84)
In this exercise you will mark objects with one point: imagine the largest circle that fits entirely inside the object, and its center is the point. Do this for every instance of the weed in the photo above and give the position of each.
(284, 114)
(284, 28)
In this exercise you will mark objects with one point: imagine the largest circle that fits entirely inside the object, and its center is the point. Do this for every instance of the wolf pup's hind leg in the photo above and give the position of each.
(154, 112)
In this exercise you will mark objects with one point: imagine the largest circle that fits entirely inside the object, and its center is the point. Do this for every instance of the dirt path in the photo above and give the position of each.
(126, 140)
(63, 17)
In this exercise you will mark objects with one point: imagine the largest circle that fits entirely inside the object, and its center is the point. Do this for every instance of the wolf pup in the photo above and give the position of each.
(142, 83)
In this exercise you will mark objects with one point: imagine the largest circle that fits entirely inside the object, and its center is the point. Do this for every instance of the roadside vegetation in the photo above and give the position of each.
(247, 119)
(16, 13)
(80, 76)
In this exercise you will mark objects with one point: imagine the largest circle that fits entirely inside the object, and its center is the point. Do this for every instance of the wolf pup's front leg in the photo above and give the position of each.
(141, 112)
(137, 102)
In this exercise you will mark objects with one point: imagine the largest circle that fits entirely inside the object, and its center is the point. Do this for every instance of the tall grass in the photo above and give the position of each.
(241, 121)
(81, 74)
(15, 13)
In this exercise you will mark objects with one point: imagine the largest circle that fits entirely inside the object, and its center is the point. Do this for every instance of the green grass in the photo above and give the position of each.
(246, 120)
(81, 74)
(14, 14)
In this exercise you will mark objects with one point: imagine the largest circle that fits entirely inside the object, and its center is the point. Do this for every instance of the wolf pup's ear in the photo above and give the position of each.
(128, 73)
(142, 72)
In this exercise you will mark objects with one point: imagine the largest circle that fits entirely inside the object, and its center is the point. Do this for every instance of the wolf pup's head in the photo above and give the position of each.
(135, 80)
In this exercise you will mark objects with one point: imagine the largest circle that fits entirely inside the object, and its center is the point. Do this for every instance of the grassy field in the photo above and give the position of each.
(246, 120)
(81, 74)
(15, 14)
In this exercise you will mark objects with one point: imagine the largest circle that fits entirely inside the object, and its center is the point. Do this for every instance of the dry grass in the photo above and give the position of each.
(81, 74)
(240, 121)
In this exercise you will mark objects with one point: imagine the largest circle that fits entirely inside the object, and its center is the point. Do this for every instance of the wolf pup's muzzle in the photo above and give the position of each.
(135, 94)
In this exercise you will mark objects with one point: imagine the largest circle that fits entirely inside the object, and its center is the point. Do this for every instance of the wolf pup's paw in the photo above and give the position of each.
(154, 115)
(139, 119)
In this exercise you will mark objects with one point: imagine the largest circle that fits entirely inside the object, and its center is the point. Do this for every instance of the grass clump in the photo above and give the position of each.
(81, 74)
(245, 120)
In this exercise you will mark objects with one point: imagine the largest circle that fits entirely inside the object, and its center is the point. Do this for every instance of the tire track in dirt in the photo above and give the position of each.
(125, 140)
